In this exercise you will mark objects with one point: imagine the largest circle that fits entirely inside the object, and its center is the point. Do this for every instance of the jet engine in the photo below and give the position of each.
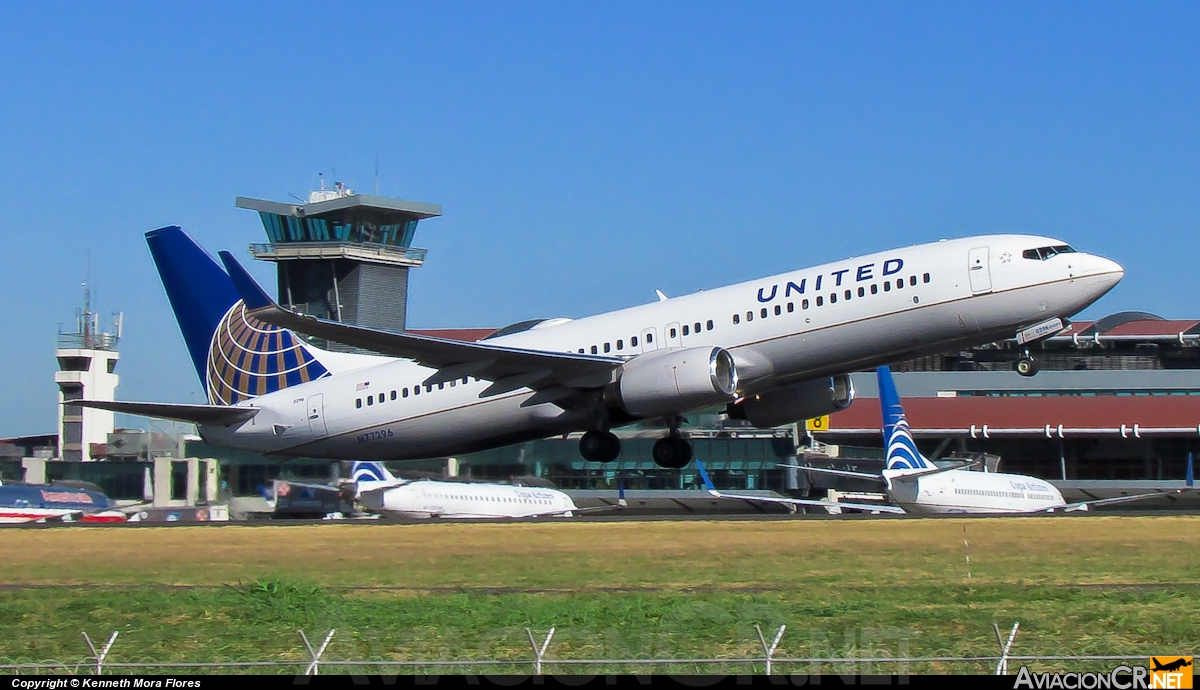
(671, 381)
(792, 403)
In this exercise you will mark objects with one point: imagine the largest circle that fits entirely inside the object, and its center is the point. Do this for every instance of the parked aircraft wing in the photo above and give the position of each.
(508, 367)
(196, 414)
(1086, 505)
(795, 501)
(841, 473)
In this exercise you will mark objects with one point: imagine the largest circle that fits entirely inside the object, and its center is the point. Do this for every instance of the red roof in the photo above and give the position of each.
(468, 334)
(1152, 327)
(1072, 412)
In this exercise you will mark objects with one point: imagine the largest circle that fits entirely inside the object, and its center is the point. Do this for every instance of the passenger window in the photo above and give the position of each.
(833, 298)
(416, 390)
(620, 344)
(862, 292)
(607, 347)
(441, 386)
(358, 403)
(709, 324)
(581, 350)
(820, 300)
(393, 395)
(791, 307)
(370, 400)
(696, 328)
(673, 332)
(595, 350)
(403, 392)
(453, 382)
(649, 337)
(804, 303)
(429, 388)
(849, 294)
(685, 329)
(764, 312)
(465, 379)
(736, 319)
(749, 316)
(633, 341)
(926, 277)
(912, 280)
(778, 310)
(899, 283)
(874, 289)
(887, 286)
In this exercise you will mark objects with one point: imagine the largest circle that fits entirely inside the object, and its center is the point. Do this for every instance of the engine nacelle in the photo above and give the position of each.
(790, 404)
(673, 381)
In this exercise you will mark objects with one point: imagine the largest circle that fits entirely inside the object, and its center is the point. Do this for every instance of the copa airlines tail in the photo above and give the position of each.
(369, 476)
(902, 453)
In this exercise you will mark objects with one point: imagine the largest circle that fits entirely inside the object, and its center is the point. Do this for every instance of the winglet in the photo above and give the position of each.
(252, 295)
(661, 296)
(705, 478)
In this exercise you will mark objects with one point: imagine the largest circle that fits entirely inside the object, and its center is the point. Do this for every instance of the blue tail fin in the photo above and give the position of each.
(704, 476)
(902, 453)
(370, 472)
(1190, 478)
(236, 356)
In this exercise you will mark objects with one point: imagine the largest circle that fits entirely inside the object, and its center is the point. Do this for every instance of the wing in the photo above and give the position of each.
(196, 414)
(821, 504)
(509, 368)
(841, 473)
(1085, 505)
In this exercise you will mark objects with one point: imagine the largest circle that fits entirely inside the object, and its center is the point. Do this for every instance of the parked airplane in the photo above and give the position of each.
(829, 506)
(382, 492)
(774, 351)
(23, 503)
(918, 486)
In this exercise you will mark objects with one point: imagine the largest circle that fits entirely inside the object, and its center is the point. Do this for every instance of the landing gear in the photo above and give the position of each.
(672, 452)
(1026, 366)
(599, 446)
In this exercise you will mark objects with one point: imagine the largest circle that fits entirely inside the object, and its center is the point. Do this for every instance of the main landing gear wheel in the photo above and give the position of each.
(1026, 366)
(599, 446)
(672, 452)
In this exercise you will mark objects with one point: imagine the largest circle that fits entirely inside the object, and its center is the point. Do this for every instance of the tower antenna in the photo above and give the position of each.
(377, 174)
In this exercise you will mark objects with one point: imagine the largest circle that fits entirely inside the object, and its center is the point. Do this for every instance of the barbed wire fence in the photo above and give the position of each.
(539, 663)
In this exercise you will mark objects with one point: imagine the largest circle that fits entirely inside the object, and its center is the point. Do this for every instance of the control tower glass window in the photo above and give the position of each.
(360, 225)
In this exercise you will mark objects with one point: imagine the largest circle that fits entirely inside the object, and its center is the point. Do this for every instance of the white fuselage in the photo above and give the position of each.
(830, 319)
(464, 500)
(964, 491)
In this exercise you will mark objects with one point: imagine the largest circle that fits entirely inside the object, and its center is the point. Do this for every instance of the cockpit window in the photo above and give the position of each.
(1043, 253)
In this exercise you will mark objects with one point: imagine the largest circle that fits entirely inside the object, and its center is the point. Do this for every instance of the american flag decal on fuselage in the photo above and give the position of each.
(248, 358)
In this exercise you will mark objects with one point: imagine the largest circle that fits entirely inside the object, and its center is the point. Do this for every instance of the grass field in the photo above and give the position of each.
(1078, 585)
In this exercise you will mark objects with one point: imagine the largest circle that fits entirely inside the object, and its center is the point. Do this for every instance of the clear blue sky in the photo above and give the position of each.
(584, 154)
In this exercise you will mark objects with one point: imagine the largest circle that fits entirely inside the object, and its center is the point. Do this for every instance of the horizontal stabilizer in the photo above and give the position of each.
(841, 473)
(196, 414)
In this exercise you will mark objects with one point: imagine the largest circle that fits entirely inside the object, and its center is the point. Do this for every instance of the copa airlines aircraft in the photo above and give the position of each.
(775, 351)
(381, 492)
(918, 486)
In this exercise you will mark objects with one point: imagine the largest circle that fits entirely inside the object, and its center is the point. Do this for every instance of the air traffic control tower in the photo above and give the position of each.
(343, 256)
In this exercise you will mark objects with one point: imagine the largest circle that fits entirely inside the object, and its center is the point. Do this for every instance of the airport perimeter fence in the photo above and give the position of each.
(540, 662)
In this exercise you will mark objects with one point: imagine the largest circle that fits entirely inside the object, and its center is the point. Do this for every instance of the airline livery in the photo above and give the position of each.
(917, 485)
(773, 351)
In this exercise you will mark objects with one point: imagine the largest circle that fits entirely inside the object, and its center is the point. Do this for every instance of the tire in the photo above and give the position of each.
(1026, 367)
(672, 453)
(599, 446)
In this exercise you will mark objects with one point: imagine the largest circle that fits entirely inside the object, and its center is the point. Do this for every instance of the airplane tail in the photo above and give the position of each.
(236, 356)
(902, 453)
(371, 472)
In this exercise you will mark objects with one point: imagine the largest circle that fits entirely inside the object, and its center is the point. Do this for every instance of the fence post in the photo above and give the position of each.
(103, 653)
(1002, 664)
(314, 663)
(768, 652)
(538, 653)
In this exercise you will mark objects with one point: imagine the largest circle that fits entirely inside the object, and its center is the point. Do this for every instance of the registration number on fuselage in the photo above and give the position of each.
(375, 435)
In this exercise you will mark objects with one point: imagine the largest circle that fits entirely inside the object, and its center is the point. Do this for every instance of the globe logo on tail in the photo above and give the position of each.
(248, 358)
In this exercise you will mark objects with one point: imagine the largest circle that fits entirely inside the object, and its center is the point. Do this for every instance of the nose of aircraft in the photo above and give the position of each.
(1101, 275)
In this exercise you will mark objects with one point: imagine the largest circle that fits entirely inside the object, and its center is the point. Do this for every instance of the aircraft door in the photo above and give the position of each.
(979, 271)
(649, 340)
(316, 415)
(672, 333)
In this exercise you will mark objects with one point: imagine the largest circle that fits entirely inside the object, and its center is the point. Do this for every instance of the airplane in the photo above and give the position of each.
(25, 503)
(1179, 663)
(917, 485)
(382, 492)
(773, 351)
